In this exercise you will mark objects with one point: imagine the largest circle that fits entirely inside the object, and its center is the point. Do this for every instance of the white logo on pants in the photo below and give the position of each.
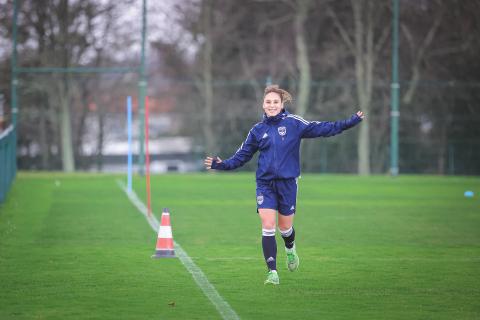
(260, 199)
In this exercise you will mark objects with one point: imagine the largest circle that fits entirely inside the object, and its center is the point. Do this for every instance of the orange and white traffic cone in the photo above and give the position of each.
(164, 248)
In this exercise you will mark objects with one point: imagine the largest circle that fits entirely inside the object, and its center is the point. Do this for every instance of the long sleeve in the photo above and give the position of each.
(242, 156)
(316, 129)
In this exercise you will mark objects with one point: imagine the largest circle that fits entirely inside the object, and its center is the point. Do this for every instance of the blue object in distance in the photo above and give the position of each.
(468, 194)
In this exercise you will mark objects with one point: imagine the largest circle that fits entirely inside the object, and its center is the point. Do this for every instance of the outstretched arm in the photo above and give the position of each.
(242, 156)
(316, 129)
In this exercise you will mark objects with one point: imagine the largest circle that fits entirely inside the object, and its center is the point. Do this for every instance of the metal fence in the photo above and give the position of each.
(439, 127)
(8, 166)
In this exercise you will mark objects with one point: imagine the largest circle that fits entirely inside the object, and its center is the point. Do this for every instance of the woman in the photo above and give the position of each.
(278, 138)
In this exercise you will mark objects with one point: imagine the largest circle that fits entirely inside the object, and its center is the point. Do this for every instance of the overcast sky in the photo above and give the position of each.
(162, 24)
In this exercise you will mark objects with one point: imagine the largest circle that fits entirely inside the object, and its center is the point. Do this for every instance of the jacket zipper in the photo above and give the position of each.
(274, 153)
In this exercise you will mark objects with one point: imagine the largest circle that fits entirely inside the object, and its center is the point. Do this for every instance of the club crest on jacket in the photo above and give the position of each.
(282, 131)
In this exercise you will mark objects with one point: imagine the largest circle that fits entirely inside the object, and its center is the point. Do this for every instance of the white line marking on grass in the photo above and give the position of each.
(208, 289)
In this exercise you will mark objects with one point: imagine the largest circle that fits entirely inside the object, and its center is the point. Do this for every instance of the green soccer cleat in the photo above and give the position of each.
(292, 259)
(272, 277)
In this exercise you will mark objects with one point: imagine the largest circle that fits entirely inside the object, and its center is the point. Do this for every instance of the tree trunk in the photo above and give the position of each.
(303, 65)
(303, 62)
(363, 41)
(207, 80)
(68, 161)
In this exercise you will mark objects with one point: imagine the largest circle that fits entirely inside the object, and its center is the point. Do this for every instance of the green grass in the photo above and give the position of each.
(370, 248)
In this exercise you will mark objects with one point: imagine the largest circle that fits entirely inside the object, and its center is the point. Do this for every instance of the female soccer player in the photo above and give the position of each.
(278, 138)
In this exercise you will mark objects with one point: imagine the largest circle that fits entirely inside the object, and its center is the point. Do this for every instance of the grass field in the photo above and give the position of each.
(74, 247)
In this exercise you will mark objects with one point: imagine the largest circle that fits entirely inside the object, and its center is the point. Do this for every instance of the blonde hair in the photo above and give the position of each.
(285, 96)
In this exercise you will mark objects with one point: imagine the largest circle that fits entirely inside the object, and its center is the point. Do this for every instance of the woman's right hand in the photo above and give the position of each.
(209, 160)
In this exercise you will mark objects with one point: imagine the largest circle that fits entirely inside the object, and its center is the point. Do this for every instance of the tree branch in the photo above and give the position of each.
(343, 32)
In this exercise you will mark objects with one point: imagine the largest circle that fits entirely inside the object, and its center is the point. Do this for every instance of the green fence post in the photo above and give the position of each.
(395, 88)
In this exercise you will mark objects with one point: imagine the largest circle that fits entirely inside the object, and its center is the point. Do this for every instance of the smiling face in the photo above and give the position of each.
(272, 104)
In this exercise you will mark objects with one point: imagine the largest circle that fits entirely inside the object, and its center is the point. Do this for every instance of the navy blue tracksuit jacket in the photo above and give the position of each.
(278, 139)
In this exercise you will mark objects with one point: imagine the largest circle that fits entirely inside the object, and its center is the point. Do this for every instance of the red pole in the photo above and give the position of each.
(147, 159)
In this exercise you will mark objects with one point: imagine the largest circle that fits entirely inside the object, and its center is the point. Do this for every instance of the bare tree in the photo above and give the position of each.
(65, 34)
(207, 77)
(418, 49)
(303, 62)
(365, 40)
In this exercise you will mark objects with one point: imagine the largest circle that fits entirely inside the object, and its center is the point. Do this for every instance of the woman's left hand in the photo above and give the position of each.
(360, 114)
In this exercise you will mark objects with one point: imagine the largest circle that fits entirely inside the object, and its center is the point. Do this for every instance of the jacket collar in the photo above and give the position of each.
(275, 119)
